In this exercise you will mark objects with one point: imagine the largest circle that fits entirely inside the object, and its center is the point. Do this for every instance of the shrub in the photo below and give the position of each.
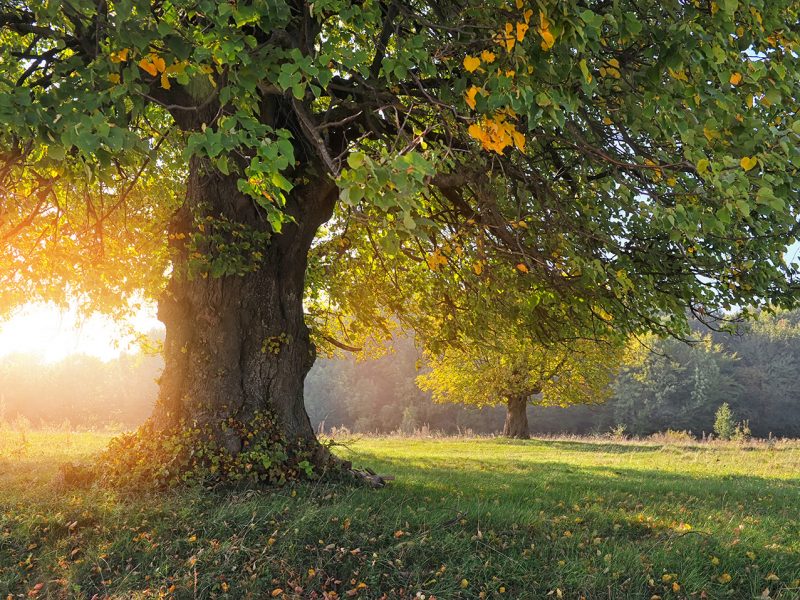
(618, 432)
(742, 431)
(724, 424)
(672, 436)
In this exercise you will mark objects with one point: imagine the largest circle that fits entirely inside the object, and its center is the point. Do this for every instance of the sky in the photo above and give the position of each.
(52, 334)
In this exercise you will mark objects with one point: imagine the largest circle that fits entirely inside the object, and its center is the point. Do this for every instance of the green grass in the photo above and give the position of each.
(465, 518)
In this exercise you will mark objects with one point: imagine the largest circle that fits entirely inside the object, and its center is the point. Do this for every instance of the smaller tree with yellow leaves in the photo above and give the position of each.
(517, 372)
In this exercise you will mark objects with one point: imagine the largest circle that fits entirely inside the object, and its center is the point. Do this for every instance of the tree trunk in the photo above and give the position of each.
(237, 345)
(516, 425)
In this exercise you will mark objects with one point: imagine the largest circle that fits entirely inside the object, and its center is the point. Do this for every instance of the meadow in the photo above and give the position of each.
(464, 518)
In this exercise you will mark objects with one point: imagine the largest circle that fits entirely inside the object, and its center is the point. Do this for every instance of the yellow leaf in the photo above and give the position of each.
(520, 3)
(607, 121)
(471, 63)
(547, 40)
(522, 29)
(522, 268)
(508, 39)
(477, 267)
(676, 587)
(146, 65)
(476, 132)
(748, 162)
(464, 584)
(544, 23)
(724, 578)
(119, 56)
(114, 78)
(736, 78)
(679, 75)
(159, 64)
(469, 96)
(488, 57)
(165, 81)
(519, 140)
(177, 68)
(528, 14)
(434, 260)
(276, 592)
(656, 171)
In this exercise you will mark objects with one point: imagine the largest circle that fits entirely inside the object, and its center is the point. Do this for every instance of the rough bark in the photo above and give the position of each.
(238, 344)
(516, 425)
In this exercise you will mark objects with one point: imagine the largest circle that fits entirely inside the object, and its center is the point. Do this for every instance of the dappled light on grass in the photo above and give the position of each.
(512, 519)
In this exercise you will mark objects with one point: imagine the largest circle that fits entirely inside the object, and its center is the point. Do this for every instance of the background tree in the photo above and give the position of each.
(669, 384)
(768, 361)
(516, 372)
(574, 168)
(724, 424)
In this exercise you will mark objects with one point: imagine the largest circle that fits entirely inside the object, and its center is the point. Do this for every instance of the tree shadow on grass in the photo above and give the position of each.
(675, 522)
(507, 481)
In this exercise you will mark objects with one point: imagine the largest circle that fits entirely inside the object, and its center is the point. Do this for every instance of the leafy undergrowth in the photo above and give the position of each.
(464, 519)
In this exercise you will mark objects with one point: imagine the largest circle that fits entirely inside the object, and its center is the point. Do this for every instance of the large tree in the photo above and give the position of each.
(573, 166)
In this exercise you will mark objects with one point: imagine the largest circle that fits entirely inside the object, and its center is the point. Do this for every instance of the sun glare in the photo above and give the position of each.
(52, 334)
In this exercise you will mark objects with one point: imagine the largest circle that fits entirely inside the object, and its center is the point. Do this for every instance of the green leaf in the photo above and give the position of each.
(356, 160)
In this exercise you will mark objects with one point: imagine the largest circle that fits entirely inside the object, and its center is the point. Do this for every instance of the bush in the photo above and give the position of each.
(724, 424)
(618, 432)
(742, 431)
(672, 436)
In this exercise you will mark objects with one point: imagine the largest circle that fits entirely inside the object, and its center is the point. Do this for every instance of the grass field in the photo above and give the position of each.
(465, 518)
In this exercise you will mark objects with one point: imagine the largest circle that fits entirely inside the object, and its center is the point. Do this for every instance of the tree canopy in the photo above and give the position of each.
(579, 373)
(576, 163)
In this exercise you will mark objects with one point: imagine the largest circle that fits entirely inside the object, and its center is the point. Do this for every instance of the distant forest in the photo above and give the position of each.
(676, 386)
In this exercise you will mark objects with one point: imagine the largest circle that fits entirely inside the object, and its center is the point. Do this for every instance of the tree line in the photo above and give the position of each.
(660, 384)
